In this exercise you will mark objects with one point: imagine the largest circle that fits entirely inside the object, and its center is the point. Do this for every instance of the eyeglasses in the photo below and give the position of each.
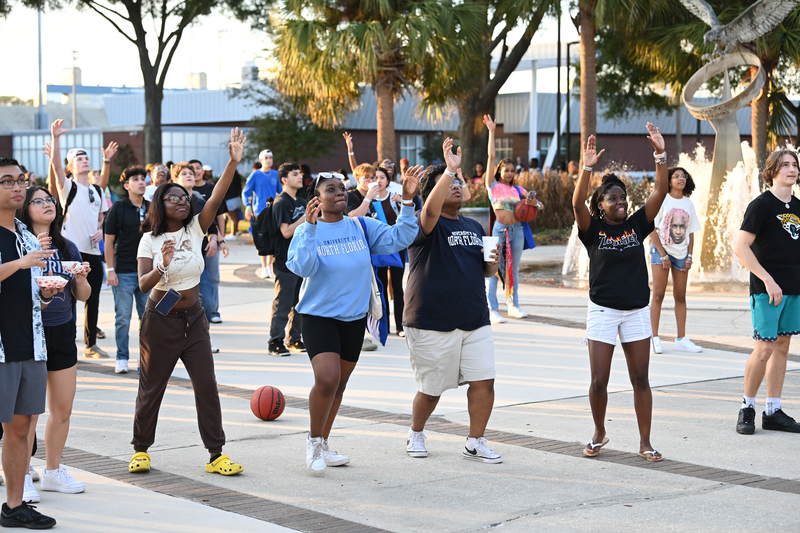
(458, 182)
(327, 175)
(368, 177)
(41, 202)
(185, 199)
(9, 184)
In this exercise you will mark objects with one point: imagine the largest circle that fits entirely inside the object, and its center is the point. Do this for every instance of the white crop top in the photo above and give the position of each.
(187, 264)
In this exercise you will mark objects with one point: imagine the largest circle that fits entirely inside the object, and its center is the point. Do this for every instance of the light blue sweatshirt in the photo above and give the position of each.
(335, 262)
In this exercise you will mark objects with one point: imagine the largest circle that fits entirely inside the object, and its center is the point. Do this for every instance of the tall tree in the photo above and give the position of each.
(169, 18)
(328, 50)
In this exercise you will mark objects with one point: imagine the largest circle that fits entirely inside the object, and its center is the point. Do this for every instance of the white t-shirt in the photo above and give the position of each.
(187, 264)
(83, 215)
(675, 221)
(149, 191)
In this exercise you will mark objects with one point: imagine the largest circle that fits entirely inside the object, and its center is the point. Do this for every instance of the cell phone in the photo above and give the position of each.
(168, 301)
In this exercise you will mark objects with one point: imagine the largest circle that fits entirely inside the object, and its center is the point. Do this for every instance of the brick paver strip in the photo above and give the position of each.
(571, 449)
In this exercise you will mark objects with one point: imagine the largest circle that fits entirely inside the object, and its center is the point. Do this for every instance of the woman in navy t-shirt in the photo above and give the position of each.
(618, 287)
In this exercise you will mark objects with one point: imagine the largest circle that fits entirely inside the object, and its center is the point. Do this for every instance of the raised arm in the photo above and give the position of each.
(57, 131)
(590, 157)
(432, 207)
(108, 155)
(489, 172)
(52, 186)
(351, 154)
(235, 150)
(653, 204)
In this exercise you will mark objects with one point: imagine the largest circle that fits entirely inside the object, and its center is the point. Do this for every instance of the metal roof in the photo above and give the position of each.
(406, 115)
(15, 118)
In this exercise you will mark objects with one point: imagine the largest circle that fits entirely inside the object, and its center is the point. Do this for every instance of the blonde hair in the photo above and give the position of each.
(774, 161)
(362, 170)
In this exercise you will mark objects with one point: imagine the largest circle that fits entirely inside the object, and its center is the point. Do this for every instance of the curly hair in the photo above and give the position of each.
(666, 238)
(9, 162)
(175, 170)
(773, 164)
(428, 180)
(688, 189)
(609, 181)
(156, 220)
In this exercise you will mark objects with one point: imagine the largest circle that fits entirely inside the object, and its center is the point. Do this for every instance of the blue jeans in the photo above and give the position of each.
(209, 286)
(126, 291)
(517, 238)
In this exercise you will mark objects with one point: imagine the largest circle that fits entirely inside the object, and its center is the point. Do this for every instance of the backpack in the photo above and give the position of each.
(264, 231)
(74, 190)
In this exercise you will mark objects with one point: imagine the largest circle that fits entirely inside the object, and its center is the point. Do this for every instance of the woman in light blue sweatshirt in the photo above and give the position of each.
(332, 253)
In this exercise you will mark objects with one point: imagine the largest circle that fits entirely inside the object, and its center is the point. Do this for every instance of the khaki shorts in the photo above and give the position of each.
(444, 360)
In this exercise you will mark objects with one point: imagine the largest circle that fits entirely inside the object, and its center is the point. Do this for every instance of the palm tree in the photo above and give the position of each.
(329, 50)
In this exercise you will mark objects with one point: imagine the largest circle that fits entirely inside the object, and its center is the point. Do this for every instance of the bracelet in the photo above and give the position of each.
(366, 200)
(106, 160)
(409, 203)
(587, 169)
(351, 153)
(110, 269)
(44, 299)
(212, 237)
(222, 241)
(664, 258)
(661, 159)
(689, 256)
(451, 174)
(161, 268)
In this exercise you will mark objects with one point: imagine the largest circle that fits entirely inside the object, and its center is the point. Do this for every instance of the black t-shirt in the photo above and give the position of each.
(124, 221)
(16, 304)
(354, 201)
(776, 246)
(446, 284)
(617, 269)
(285, 210)
(205, 191)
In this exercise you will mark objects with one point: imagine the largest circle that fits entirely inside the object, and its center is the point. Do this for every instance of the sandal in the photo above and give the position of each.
(593, 449)
(650, 455)
(224, 466)
(140, 462)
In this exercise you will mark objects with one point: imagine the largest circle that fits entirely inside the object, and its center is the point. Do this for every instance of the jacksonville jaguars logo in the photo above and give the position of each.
(790, 223)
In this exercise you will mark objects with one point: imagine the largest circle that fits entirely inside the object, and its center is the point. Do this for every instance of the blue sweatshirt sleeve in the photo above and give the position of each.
(247, 192)
(385, 239)
(303, 259)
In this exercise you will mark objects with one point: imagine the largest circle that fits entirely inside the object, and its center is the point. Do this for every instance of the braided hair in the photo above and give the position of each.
(609, 181)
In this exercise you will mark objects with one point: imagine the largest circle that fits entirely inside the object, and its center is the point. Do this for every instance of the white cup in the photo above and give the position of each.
(489, 245)
(373, 186)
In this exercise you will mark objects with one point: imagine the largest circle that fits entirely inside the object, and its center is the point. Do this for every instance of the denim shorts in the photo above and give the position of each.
(772, 321)
(655, 259)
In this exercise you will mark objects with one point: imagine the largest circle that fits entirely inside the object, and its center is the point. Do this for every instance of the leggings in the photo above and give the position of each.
(181, 334)
(92, 305)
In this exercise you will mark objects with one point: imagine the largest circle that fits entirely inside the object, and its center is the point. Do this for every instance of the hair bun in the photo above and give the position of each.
(611, 178)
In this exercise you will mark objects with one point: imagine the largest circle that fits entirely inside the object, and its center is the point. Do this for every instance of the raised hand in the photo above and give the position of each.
(453, 160)
(348, 139)
(590, 155)
(490, 124)
(57, 129)
(236, 147)
(411, 181)
(655, 138)
(312, 210)
(111, 151)
(47, 150)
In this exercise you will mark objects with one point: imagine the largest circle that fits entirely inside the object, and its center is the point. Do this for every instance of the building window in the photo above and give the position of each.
(27, 149)
(410, 148)
(209, 145)
(504, 148)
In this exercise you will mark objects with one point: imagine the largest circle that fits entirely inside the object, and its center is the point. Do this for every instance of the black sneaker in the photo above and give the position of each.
(297, 347)
(747, 421)
(25, 516)
(779, 421)
(278, 349)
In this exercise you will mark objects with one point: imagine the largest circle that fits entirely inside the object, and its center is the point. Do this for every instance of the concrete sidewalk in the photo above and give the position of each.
(540, 424)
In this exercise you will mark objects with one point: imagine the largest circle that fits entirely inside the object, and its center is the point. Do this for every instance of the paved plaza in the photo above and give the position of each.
(712, 479)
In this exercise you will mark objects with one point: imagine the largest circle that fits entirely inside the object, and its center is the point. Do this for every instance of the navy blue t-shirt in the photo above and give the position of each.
(59, 311)
(446, 283)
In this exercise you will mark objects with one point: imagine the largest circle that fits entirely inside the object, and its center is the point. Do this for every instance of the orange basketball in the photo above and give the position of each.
(525, 212)
(267, 403)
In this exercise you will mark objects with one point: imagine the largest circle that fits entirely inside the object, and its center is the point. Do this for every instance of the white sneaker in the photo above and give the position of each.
(29, 493)
(495, 318)
(122, 366)
(216, 320)
(415, 445)
(59, 480)
(33, 473)
(261, 273)
(214, 349)
(655, 345)
(315, 461)
(685, 345)
(368, 345)
(331, 457)
(477, 450)
(516, 312)
(268, 271)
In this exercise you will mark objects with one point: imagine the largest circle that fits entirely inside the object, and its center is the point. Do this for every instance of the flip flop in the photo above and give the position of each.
(224, 466)
(595, 448)
(140, 462)
(650, 455)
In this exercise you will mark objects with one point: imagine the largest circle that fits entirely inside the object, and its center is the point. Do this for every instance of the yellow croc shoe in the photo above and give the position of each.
(140, 462)
(223, 465)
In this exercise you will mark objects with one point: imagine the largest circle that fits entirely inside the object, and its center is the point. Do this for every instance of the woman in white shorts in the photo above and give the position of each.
(618, 287)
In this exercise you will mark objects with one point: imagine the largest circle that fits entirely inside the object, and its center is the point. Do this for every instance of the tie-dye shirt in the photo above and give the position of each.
(503, 196)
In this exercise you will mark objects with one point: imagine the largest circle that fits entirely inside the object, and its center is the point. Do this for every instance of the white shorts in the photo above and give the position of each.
(603, 324)
(444, 360)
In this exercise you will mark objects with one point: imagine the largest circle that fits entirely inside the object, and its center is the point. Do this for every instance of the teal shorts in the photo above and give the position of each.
(772, 321)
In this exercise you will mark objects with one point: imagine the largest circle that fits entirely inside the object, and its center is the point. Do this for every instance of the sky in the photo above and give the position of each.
(216, 44)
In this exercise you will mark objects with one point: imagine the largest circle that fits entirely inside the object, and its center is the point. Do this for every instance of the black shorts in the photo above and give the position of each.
(322, 334)
(61, 350)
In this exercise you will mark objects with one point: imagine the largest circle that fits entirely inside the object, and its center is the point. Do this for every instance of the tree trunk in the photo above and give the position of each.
(472, 135)
(759, 120)
(588, 73)
(386, 140)
(153, 96)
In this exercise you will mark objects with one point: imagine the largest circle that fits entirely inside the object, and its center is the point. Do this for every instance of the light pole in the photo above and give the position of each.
(40, 122)
(74, 94)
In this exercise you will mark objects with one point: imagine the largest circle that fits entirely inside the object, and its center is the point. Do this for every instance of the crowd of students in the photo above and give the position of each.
(400, 237)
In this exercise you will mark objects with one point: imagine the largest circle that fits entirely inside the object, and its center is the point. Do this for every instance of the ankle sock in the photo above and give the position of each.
(748, 401)
(773, 404)
(215, 458)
